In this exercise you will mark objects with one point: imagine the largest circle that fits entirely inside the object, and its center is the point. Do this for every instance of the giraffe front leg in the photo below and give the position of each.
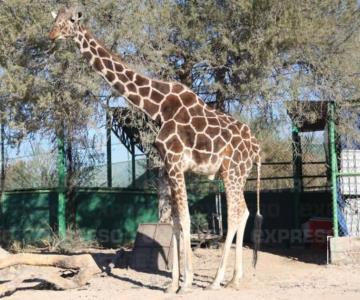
(174, 285)
(238, 271)
(181, 217)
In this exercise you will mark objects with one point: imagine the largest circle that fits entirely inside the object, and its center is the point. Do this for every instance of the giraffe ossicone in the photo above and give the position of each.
(193, 137)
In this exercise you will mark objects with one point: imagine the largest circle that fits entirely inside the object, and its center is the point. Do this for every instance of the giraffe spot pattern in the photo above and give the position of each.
(119, 68)
(162, 87)
(203, 142)
(156, 96)
(122, 77)
(177, 88)
(188, 98)
(110, 76)
(170, 106)
(129, 74)
(131, 87)
(140, 80)
(98, 64)
(108, 64)
(187, 135)
(87, 55)
(199, 123)
(173, 144)
(144, 91)
(103, 53)
(182, 116)
(150, 107)
(135, 99)
(119, 87)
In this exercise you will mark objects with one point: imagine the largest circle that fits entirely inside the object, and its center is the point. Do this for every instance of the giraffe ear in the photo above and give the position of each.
(54, 14)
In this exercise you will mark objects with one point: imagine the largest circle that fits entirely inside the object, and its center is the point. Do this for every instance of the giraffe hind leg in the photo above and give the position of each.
(236, 209)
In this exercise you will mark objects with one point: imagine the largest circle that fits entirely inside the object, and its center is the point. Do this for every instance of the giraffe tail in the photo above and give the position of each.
(258, 217)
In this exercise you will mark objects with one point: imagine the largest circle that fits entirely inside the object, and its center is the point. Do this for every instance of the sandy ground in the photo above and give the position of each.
(278, 276)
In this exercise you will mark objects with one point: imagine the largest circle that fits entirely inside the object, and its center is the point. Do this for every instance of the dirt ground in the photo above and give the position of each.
(287, 275)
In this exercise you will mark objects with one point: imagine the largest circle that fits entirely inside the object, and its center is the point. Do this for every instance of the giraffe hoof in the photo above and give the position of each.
(233, 285)
(213, 287)
(184, 290)
(171, 289)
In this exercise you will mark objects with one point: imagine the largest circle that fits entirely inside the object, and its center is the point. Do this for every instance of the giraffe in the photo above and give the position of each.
(193, 137)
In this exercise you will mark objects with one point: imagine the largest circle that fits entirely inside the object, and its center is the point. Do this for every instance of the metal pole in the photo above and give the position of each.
(2, 175)
(61, 187)
(108, 150)
(297, 173)
(334, 169)
(133, 166)
(2, 180)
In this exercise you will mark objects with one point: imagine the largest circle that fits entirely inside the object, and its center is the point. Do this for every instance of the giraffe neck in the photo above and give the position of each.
(139, 90)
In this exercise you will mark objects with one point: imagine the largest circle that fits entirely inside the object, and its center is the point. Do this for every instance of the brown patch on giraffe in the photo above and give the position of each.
(156, 96)
(213, 121)
(182, 116)
(85, 44)
(166, 130)
(174, 144)
(161, 86)
(160, 148)
(214, 159)
(103, 53)
(177, 88)
(108, 64)
(234, 129)
(235, 141)
(188, 98)
(241, 146)
(87, 55)
(226, 134)
(122, 77)
(186, 134)
(87, 36)
(119, 68)
(150, 107)
(140, 80)
(135, 99)
(223, 121)
(242, 168)
(203, 142)
(237, 156)
(196, 111)
(119, 87)
(209, 113)
(200, 158)
(173, 158)
(170, 106)
(245, 154)
(129, 74)
(80, 37)
(131, 87)
(245, 132)
(212, 131)
(247, 144)
(199, 123)
(110, 76)
(144, 91)
(218, 144)
(98, 64)
(92, 43)
(93, 50)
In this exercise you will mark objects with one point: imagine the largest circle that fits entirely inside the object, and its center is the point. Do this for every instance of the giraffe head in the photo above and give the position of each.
(67, 22)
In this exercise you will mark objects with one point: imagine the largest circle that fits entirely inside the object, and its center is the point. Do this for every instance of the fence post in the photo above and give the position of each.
(2, 175)
(61, 188)
(297, 173)
(334, 168)
(108, 150)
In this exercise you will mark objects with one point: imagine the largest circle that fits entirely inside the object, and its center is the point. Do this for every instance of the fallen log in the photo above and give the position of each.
(83, 266)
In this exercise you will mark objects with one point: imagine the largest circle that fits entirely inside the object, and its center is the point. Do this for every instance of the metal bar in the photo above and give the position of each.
(108, 150)
(347, 174)
(334, 169)
(61, 188)
(133, 163)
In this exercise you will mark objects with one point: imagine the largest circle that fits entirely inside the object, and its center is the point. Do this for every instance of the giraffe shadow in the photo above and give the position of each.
(302, 253)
